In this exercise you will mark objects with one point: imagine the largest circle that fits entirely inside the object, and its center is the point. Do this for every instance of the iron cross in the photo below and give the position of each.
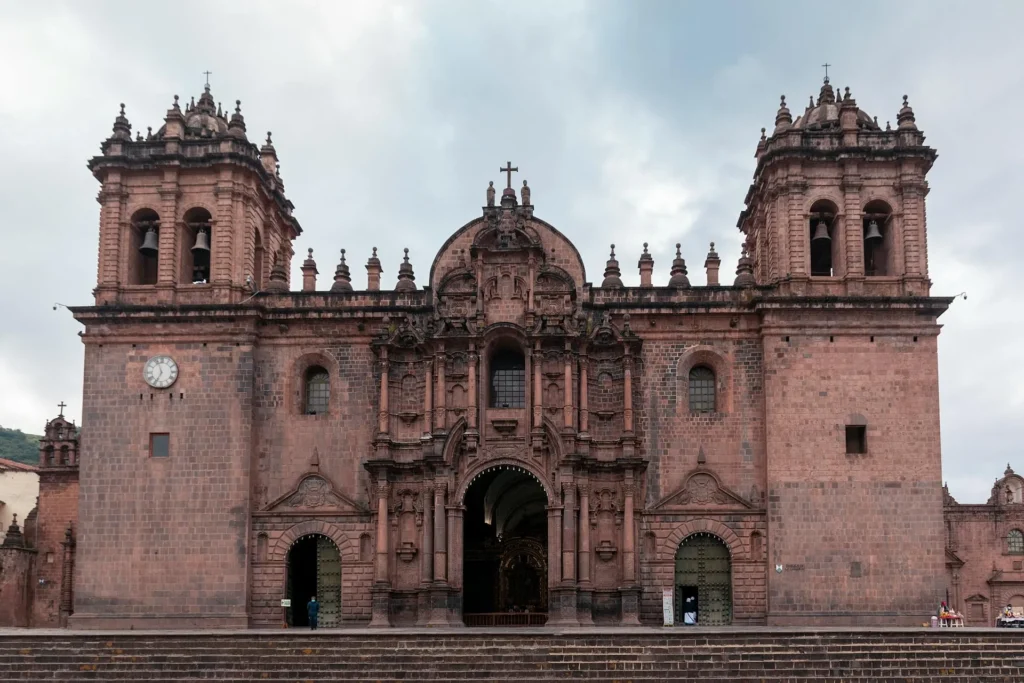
(62, 406)
(207, 74)
(509, 168)
(826, 65)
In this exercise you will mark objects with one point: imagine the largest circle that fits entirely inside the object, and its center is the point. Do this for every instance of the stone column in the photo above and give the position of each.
(440, 416)
(428, 398)
(568, 532)
(382, 414)
(630, 592)
(568, 408)
(538, 389)
(455, 536)
(585, 598)
(438, 613)
(426, 555)
(554, 550)
(473, 398)
(627, 403)
(380, 593)
(584, 402)
(440, 542)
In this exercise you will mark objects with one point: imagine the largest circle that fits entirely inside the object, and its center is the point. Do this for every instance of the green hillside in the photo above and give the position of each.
(18, 446)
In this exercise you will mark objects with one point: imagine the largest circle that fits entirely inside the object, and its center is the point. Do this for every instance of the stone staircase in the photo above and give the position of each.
(521, 655)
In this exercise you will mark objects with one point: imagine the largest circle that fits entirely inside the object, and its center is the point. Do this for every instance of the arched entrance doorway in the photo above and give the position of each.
(314, 568)
(505, 565)
(703, 583)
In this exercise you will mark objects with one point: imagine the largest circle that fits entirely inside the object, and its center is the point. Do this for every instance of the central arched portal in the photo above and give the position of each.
(505, 559)
(314, 569)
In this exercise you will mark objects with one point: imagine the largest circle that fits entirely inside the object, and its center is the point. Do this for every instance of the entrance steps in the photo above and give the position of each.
(733, 655)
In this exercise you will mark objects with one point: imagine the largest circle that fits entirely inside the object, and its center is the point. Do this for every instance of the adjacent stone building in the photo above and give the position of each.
(498, 440)
(985, 552)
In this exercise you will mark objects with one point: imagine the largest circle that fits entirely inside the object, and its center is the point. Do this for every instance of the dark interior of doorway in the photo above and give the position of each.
(503, 507)
(301, 579)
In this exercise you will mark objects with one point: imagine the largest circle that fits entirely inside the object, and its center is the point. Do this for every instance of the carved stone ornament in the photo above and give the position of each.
(702, 489)
(314, 491)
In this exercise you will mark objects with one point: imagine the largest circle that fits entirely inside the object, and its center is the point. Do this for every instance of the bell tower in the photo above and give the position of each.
(191, 213)
(837, 203)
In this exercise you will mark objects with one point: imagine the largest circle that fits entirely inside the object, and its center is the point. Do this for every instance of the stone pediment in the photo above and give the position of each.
(702, 489)
(314, 492)
(953, 559)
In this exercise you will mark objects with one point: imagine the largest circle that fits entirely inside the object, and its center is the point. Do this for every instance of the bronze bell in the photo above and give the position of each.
(872, 233)
(821, 232)
(149, 243)
(202, 241)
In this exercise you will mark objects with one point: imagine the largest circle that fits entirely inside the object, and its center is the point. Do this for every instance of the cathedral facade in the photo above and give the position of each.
(499, 440)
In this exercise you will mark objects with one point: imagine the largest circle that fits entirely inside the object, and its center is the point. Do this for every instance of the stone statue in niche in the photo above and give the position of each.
(490, 193)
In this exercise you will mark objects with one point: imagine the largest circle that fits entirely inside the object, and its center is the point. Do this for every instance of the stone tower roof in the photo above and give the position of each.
(824, 114)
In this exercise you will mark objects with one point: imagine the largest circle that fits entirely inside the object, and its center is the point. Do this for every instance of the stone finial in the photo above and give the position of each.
(309, 273)
(848, 100)
(744, 270)
(373, 272)
(762, 143)
(122, 129)
(679, 279)
(826, 95)
(490, 193)
(176, 106)
(1008, 471)
(525, 194)
(783, 118)
(314, 462)
(612, 274)
(14, 538)
(342, 277)
(268, 155)
(406, 278)
(711, 264)
(888, 126)
(905, 120)
(237, 125)
(646, 266)
(278, 275)
(702, 459)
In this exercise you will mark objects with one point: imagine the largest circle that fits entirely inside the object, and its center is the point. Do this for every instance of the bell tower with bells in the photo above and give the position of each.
(837, 206)
(192, 212)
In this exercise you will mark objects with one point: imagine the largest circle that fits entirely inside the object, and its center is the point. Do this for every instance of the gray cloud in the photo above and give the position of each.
(632, 122)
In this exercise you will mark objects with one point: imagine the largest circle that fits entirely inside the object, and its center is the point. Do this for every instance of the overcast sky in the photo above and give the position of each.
(632, 121)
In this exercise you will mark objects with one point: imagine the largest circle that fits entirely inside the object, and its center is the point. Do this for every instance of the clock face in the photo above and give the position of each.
(160, 372)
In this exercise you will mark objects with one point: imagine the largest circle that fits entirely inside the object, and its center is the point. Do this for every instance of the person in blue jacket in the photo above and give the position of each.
(313, 610)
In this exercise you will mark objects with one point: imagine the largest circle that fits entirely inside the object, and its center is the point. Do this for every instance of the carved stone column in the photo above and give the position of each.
(585, 596)
(453, 612)
(428, 398)
(440, 412)
(538, 395)
(440, 540)
(380, 593)
(627, 403)
(67, 577)
(630, 592)
(471, 410)
(568, 532)
(568, 408)
(382, 413)
(426, 554)
(584, 401)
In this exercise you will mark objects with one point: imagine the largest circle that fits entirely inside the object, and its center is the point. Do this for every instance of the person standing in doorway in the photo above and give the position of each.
(313, 611)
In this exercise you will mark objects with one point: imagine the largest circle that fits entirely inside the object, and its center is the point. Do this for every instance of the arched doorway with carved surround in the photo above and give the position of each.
(703, 581)
(505, 547)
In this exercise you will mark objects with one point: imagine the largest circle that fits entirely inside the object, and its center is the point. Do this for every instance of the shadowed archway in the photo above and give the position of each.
(505, 549)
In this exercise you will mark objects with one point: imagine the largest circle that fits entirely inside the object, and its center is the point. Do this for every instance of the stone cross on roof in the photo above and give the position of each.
(509, 168)
(62, 406)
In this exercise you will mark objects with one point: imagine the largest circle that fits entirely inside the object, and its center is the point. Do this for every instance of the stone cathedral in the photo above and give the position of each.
(499, 440)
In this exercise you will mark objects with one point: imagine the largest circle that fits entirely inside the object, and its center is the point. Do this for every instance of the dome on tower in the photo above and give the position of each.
(203, 119)
(824, 115)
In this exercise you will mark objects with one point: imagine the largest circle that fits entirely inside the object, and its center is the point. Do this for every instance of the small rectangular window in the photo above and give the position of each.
(159, 445)
(856, 439)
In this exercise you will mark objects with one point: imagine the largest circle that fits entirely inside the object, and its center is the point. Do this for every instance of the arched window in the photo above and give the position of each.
(877, 239)
(822, 233)
(318, 391)
(1015, 542)
(196, 247)
(508, 379)
(143, 248)
(702, 389)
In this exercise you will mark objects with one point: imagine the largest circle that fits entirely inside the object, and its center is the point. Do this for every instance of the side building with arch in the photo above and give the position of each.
(503, 442)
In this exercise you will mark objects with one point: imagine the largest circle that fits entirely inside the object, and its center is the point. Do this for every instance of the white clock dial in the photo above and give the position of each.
(160, 372)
